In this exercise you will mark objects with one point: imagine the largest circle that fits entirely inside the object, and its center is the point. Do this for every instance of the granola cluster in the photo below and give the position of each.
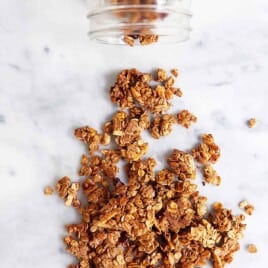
(247, 207)
(185, 118)
(68, 190)
(207, 151)
(211, 176)
(136, 89)
(157, 218)
(136, 17)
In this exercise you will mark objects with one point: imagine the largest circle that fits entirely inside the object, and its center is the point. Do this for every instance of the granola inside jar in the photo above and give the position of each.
(139, 22)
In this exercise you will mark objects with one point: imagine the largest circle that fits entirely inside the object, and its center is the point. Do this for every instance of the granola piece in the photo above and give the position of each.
(152, 99)
(217, 262)
(105, 139)
(148, 39)
(129, 40)
(89, 136)
(208, 151)
(68, 191)
(201, 206)
(48, 190)
(109, 169)
(108, 127)
(206, 234)
(178, 92)
(225, 221)
(130, 134)
(165, 177)
(62, 186)
(185, 118)
(141, 115)
(169, 83)
(134, 151)
(175, 72)
(71, 198)
(161, 75)
(251, 122)
(162, 125)
(120, 121)
(141, 171)
(112, 156)
(120, 93)
(159, 103)
(211, 175)
(245, 205)
(182, 164)
(252, 248)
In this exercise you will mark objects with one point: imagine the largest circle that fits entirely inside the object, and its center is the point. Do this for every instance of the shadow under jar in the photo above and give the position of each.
(139, 22)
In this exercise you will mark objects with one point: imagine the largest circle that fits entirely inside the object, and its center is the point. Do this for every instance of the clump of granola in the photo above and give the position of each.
(245, 205)
(148, 39)
(67, 190)
(185, 118)
(207, 151)
(175, 72)
(138, 34)
(211, 175)
(182, 164)
(136, 89)
(89, 136)
(157, 218)
(162, 125)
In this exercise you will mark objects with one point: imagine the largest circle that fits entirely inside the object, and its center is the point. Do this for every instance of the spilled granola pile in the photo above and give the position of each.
(156, 219)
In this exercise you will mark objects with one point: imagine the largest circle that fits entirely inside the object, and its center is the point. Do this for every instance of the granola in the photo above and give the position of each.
(134, 89)
(48, 190)
(211, 175)
(252, 122)
(138, 33)
(207, 151)
(252, 249)
(68, 190)
(162, 125)
(175, 72)
(185, 118)
(247, 207)
(182, 164)
(157, 218)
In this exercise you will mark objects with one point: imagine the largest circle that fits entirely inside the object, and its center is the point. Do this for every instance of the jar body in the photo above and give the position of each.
(139, 21)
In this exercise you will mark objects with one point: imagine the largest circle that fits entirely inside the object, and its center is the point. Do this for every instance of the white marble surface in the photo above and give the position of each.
(53, 80)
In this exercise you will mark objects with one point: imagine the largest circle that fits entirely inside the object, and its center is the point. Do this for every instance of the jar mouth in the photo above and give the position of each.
(111, 24)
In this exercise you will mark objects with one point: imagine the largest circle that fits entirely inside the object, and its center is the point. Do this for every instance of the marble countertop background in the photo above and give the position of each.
(52, 79)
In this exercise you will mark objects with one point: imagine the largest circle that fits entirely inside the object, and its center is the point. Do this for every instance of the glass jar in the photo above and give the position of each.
(136, 22)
